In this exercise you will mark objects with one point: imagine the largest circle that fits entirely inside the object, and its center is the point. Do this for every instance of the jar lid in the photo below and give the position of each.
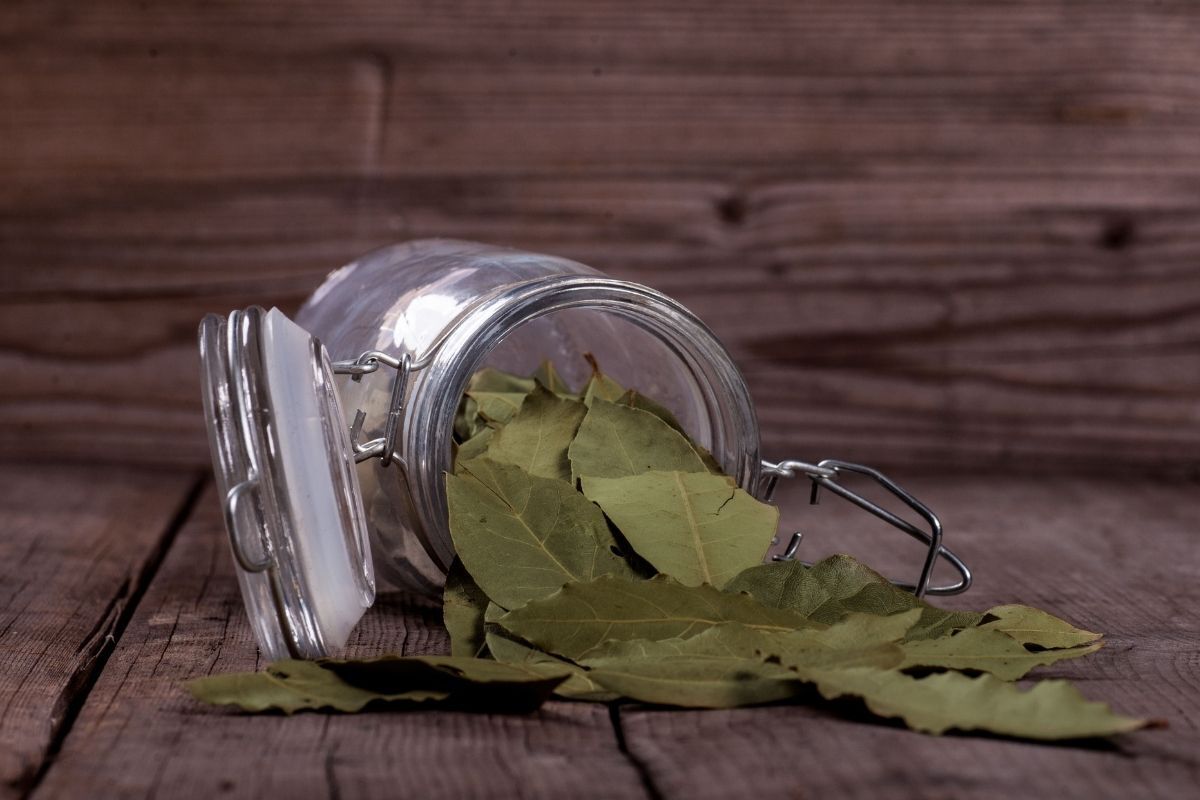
(285, 469)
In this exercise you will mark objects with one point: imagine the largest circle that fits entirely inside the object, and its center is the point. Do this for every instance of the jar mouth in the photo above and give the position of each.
(475, 334)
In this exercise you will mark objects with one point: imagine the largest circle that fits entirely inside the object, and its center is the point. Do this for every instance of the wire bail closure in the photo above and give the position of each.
(383, 448)
(824, 475)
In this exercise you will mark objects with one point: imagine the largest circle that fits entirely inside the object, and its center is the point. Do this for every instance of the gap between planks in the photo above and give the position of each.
(140, 734)
(125, 606)
(81, 544)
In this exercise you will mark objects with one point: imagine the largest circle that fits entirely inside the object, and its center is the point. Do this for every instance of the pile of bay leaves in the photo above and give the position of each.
(604, 556)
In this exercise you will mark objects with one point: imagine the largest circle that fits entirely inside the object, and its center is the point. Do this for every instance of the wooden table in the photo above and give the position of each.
(948, 236)
(116, 586)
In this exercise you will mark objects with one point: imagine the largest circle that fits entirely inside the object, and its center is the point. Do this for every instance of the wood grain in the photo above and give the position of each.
(78, 548)
(960, 233)
(1111, 556)
(140, 734)
(1108, 555)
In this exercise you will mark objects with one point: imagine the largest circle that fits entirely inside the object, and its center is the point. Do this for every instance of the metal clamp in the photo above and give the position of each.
(232, 500)
(825, 475)
(383, 448)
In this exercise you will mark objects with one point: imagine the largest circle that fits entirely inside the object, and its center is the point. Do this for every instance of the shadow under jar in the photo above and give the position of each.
(417, 320)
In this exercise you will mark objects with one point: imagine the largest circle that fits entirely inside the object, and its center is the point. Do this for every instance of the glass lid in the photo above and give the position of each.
(286, 475)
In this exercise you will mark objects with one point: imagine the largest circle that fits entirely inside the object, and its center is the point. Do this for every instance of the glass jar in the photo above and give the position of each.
(452, 306)
(421, 318)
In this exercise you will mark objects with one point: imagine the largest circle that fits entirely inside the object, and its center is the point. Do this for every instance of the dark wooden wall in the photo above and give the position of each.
(960, 232)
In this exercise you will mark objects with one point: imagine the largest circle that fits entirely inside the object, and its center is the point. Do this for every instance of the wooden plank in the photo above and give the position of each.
(536, 87)
(967, 37)
(140, 733)
(73, 119)
(933, 227)
(950, 243)
(1111, 556)
(1086, 370)
(79, 545)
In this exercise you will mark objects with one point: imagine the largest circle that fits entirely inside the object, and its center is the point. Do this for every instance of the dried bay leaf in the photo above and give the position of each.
(351, 686)
(290, 686)
(473, 447)
(467, 422)
(600, 385)
(635, 399)
(496, 407)
(838, 585)
(521, 537)
(470, 421)
(537, 437)
(857, 640)
(694, 526)
(1033, 626)
(462, 678)
(732, 664)
(615, 441)
(463, 606)
(578, 685)
(548, 377)
(708, 670)
(1051, 710)
(985, 651)
(575, 621)
(490, 379)
(470, 683)
(493, 613)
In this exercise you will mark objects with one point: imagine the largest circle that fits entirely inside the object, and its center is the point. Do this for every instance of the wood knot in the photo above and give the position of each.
(1118, 233)
(732, 209)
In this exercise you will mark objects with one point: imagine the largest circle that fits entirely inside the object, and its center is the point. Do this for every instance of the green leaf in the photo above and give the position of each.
(985, 651)
(521, 537)
(490, 379)
(497, 407)
(474, 447)
(615, 441)
(469, 420)
(463, 605)
(575, 621)
(635, 399)
(694, 526)
(1035, 627)
(291, 686)
(441, 673)
(857, 640)
(466, 422)
(601, 387)
(346, 685)
(537, 437)
(548, 377)
(832, 588)
(937, 703)
(731, 664)
(577, 686)
(704, 671)
(493, 613)
(470, 683)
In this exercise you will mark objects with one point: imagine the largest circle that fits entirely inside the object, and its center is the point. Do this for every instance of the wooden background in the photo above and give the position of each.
(962, 233)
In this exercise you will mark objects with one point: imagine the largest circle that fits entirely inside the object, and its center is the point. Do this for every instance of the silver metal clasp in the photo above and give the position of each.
(383, 448)
(824, 475)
